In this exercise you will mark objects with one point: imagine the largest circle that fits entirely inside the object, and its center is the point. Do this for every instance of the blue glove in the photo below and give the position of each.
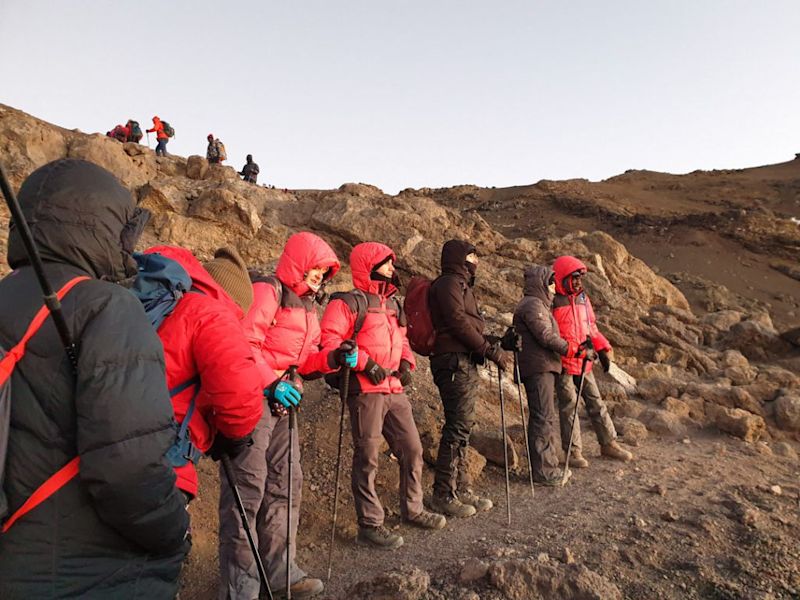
(346, 355)
(284, 392)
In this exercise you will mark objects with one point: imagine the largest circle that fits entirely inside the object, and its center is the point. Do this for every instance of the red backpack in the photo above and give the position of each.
(8, 360)
(421, 334)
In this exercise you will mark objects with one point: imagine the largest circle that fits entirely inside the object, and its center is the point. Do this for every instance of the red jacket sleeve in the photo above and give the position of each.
(407, 354)
(599, 341)
(231, 394)
(317, 360)
(338, 324)
(256, 324)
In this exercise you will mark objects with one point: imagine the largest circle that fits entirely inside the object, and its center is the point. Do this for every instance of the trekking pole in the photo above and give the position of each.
(231, 477)
(524, 424)
(50, 299)
(575, 413)
(505, 443)
(345, 390)
(148, 139)
(292, 372)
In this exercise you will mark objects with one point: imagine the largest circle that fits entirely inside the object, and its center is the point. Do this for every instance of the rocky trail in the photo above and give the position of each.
(696, 283)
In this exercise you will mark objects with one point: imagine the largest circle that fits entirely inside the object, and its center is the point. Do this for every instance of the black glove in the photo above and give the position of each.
(500, 358)
(338, 358)
(586, 350)
(225, 445)
(374, 372)
(404, 373)
(605, 360)
(511, 341)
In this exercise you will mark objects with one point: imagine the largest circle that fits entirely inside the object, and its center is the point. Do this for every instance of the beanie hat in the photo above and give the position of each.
(229, 270)
(210, 136)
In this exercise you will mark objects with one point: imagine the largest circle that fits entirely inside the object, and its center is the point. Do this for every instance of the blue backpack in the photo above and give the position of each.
(159, 286)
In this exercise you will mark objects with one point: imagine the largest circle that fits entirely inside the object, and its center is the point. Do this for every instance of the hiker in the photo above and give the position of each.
(250, 170)
(539, 370)
(376, 400)
(460, 346)
(134, 131)
(577, 324)
(161, 136)
(121, 133)
(117, 529)
(208, 360)
(215, 153)
(283, 328)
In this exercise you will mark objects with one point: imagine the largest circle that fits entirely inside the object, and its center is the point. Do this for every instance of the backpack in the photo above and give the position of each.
(362, 308)
(9, 360)
(159, 286)
(169, 131)
(221, 155)
(421, 333)
(136, 131)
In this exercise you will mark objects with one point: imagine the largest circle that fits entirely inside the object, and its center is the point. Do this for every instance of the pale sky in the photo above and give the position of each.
(422, 93)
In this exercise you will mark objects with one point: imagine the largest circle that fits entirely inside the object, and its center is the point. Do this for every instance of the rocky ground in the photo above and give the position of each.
(700, 301)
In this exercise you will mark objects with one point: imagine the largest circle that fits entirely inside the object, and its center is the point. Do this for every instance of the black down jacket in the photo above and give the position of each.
(454, 311)
(117, 529)
(542, 346)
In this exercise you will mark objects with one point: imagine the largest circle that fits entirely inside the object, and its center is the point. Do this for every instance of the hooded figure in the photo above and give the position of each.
(577, 325)
(378, 404)
(460, 346)
(540, 366)
(117, 529)
(161, 136)
(250, 170)
(283, 330)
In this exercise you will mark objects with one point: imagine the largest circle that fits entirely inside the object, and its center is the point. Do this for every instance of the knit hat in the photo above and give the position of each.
(229, 270)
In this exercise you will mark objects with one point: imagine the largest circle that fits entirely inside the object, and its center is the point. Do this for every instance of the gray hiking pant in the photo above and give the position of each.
(542, 425)
(567, 391)
(390, 416)
(262, 475)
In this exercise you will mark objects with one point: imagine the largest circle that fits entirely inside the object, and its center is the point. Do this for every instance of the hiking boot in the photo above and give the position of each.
(615, 451)
(576, 460)
(428, 520)
(556, 481)
(452, 507)
(379, 537)
(471, 498)
(305, 588)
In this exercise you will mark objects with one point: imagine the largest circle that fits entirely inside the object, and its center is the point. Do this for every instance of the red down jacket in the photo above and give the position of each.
(203, 336)
(574, 314)
(382, 337)
(284, 331)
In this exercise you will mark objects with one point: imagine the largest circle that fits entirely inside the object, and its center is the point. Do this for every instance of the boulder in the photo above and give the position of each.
(102, 150)
(663, 422)
(473, 570)
(490, 445)
(786, 450)
(655, 389)
(222, 206)
(722, 320)
(530, 579)
(738, 422)
(754, 340)
(675, 406)
(196, 167)
(633, 431)
(410, 584)
(787, 412)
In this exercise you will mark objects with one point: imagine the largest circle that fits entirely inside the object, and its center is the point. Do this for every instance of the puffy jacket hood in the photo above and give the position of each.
(454, 255)
(304, 251)
(79, 214)
(201, 279)
(363, 259)
(536, 278)
(562, 267)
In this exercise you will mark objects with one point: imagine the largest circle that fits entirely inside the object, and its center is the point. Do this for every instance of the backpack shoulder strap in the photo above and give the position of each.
(358, 303)
(274, 282)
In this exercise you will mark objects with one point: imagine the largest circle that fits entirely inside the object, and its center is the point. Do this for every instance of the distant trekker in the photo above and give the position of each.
(216, 150)
(121, 133)
(250, 170)
(162, 136)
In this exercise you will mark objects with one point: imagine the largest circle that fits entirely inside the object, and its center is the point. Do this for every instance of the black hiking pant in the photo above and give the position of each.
(456, 376)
